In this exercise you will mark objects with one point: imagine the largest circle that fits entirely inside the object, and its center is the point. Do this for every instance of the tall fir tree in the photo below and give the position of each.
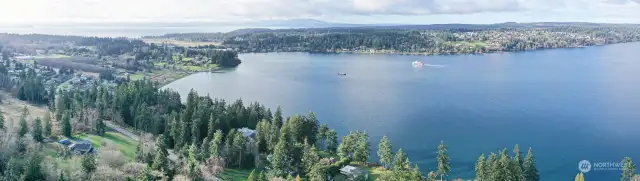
(216, 144)
(67, 130)
(88, 163)
(481, 172)
(281, 160)
(628, 169)
(400, 161)
(505, 170)
(48, 125)
(23, 127)
(160, 162)
(277, 118)
(384, 152)
(322, 136)
(529, 167)
(192, 162)
(363, 149)
(2, 126)
(100, 127)
(493, 167)
(239, 146)
(34, 170)
(444, 165)
(263, 176)
(36, 132)
(309, 158)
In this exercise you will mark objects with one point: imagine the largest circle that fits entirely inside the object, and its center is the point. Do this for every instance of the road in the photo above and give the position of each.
(122, 130)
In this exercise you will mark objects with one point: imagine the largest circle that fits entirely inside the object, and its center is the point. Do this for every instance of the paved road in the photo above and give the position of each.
(122, 130)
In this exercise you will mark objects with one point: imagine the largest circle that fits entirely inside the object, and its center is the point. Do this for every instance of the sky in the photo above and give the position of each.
(342, 11)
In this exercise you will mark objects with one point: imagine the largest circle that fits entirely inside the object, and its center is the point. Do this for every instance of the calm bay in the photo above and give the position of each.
(567, 104)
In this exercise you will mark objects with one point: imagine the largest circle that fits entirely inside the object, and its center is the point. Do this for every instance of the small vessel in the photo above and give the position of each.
(417, 64)
(340, 73)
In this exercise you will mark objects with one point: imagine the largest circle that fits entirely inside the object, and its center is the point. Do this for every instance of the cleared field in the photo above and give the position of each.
(236, 174)
(12, 109)
(125, 144)
(177, 42)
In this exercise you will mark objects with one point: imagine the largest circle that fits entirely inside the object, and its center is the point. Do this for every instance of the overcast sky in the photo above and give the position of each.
(346, 11)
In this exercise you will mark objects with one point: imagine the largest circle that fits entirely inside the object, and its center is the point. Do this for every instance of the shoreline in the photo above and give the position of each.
(389, 52)
(180, 75)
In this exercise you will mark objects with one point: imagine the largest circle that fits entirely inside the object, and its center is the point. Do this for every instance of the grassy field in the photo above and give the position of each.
(136, 76)
(236, 174)
(178, 42)
(125, 144)
(199, 68)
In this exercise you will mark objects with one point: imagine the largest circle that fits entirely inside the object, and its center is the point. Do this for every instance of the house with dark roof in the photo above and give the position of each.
(81, 148)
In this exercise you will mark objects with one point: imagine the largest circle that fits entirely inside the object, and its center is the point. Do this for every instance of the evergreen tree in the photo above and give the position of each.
(88, 163)
(213, 125)
(204, 149)
(493, 167)
(273, 137)
(400, 161)
(318, 172)
(253, 176)
(529, 167)
(348, 145)
(363, 149)
(322, 136)
(23, 127)
(384, 152)
(262, 134)
(263, 177)
(444, 165)
(281, 160)
(277, 118)
(481, 172)
(100, 127)
(216, 144)
(239, 146)
(579, 177)
(309, 158)
(48, 126)
(12, 172)
(34, 172)
(192, 162)
(628, 169)
(36, 132)
(67, 130)
(505, 170)
(228, 146)
(139, 154)
(1, 120)
(160, 162)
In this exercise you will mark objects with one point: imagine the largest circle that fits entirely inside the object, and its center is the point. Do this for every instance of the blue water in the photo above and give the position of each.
(568, 104)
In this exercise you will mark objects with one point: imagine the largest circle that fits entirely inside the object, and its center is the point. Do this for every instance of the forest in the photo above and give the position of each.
(448, 41)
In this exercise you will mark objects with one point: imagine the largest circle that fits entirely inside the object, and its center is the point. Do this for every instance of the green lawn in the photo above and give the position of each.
(136, 76)
(236, 174)
(160, 64)
(125, 144)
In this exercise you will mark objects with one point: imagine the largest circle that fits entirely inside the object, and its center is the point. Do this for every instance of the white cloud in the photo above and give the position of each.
(225, 10)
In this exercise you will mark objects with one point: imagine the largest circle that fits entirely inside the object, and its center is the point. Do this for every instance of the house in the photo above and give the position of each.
(81, 148)
(248, 133)
(354, 172)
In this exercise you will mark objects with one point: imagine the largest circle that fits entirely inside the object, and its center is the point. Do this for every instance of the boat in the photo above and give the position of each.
(417, 64)
(342, 73)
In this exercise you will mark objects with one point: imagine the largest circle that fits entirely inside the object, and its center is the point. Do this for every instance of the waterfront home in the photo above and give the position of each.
(354, 172)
